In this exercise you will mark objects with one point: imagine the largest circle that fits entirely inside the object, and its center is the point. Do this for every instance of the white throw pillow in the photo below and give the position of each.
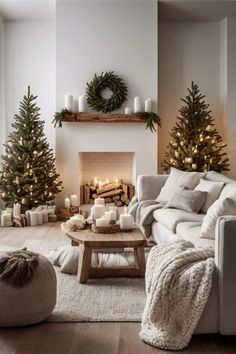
(177, 179)
(213, 190)
(221, 207)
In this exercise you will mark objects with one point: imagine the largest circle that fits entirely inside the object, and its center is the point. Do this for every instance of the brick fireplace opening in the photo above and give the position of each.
(110, 175)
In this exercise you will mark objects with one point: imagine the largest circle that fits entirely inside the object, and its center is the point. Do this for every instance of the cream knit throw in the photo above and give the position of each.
(178, 283)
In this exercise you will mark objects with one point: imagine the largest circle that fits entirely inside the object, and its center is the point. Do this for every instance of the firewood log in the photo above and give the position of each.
(127, 201)
(131, 191)
(107, 187)
(111, 193)
(86, 194)
(81, 194)
(124, 197)
(94, 195)
(108, 200)
(119, 203)
(125, 188)
(116, 197)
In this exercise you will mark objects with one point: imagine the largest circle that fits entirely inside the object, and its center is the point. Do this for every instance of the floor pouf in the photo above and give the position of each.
(31, 303)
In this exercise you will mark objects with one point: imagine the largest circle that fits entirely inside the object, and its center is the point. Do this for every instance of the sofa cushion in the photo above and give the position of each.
(188, 200)
(213, 190)
(191, 231)
(229, 191)
(217, 177)
(176, 179)
(221, 207)
(170, 218)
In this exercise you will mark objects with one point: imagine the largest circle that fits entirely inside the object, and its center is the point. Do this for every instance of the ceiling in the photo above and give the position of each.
(27, 9)
(196, 10)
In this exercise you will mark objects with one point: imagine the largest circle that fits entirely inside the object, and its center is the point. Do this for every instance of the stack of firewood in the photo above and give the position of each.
(118, 193)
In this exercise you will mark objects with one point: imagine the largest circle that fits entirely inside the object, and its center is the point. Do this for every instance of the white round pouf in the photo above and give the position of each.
(31, 303)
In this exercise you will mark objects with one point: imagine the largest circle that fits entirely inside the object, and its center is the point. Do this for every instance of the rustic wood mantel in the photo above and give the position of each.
(103, 118)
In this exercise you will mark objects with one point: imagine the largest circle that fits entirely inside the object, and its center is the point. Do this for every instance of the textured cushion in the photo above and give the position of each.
(213, 190)
(221, 207)
(229, 191)
(188, 200)
(31, 303)
(149, 186)
(191, 231)
(170, 218)
(67, 257)
(217, 177)
(176, 179)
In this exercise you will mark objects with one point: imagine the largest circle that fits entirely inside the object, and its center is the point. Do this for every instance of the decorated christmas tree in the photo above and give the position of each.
(28, 175)
(195, 143)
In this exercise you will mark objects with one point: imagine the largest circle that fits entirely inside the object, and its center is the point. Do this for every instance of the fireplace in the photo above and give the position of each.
(109, 175)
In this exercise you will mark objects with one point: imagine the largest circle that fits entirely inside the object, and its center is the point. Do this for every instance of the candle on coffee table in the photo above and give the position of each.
(102, 222)
(126, 222)
(97, 211)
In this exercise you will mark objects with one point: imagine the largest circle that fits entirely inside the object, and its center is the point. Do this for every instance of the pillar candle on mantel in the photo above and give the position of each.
(128, 110)
(148, 105)
(137, 104)
(82, 104)
(67, 203)
(74, 200)
(69, 105)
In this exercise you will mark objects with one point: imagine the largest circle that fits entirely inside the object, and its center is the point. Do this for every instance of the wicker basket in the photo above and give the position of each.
(111, 229)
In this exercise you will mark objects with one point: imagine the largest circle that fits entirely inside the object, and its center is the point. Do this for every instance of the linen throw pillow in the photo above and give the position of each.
(213, 190)
(188, 200)
(221, 207)
(176, 179)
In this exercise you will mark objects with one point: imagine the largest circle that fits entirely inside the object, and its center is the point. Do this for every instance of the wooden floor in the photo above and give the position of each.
(87, 338)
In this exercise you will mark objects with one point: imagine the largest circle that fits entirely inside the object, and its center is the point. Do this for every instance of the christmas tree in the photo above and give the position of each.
(195, 143)
(28, 175)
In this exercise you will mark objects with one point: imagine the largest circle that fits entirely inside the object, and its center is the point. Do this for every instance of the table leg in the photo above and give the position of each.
(85, 255)
(139, 257)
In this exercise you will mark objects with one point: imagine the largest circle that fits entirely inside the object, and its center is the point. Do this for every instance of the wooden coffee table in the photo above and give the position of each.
(89, 241)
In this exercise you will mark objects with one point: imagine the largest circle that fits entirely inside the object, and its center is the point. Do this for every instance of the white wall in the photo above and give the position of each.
(2, 87)
(30, 60)
(228, 86)
(96, 36)
(187, 51)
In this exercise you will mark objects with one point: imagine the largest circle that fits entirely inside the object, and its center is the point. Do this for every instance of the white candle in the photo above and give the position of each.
(112, 215)
(16, 210)
(82, 104)
(69, 102)
(45, 207)
(51, 210)
(107, 215)
(126, 210)
(128, 110)
(76, 105)
(39, 208)
(27, 215)
(33, 218)
(126, 222)
(100, 201)
(148, 105)
(137, 105)
(39, 217)
(67, 203)
(5, 219)
(97, 211)
(9, 211)
(45, 216)
(74, 200)
(102, 222)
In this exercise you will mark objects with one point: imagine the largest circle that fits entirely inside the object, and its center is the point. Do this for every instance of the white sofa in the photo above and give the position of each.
(169, 224)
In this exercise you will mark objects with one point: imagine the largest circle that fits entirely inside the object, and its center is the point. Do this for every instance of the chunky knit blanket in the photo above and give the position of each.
(178, 283)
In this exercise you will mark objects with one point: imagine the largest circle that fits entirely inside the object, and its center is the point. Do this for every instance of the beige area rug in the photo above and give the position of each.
(111, 299)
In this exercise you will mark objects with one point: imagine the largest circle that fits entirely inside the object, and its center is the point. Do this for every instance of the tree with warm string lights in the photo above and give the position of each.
(195, 143)
(28, 174)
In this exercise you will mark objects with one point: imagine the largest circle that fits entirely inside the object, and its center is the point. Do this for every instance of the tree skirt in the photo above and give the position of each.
(111, 299)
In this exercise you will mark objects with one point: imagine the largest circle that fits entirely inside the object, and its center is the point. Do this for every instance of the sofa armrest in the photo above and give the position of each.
(225, 258)
(149, 186)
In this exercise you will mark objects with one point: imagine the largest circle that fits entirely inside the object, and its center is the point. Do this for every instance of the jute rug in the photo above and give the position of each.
(111, 299)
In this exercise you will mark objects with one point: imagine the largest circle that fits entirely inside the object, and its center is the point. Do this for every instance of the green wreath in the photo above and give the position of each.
(101, 82)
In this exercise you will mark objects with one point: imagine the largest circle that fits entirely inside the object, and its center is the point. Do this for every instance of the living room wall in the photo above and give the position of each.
(187, 51)
(30, 60)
